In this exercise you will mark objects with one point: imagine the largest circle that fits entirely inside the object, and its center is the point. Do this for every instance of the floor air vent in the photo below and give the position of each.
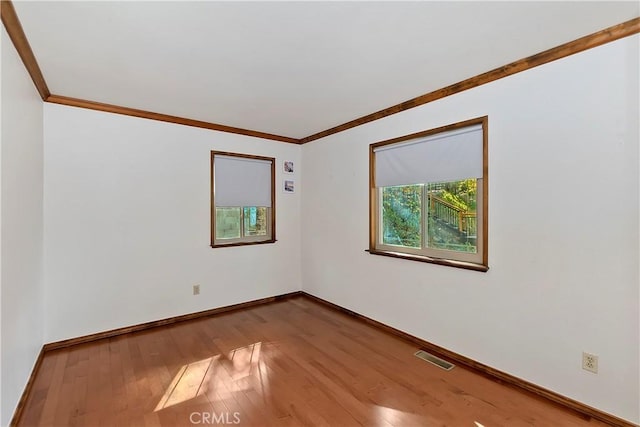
(435, 360)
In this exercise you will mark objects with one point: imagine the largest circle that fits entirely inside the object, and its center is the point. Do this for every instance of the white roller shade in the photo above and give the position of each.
(241, 181)
(447, 156)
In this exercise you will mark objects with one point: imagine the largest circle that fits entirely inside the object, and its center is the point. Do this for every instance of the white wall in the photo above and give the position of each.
(563, 230)
(127, 223)
(21, 228)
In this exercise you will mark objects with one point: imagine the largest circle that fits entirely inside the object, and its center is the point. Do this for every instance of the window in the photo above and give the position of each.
(242, 199)
(428, 199)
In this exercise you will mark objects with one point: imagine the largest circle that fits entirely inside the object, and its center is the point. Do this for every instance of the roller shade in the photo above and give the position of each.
(240, 181)
(447, 156)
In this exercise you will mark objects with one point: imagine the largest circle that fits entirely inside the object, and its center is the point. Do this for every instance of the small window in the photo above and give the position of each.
(242, 199)
(428, 199)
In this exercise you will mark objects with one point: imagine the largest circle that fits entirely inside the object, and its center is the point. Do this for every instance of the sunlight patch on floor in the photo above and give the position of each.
(398, 417)
(197, 378)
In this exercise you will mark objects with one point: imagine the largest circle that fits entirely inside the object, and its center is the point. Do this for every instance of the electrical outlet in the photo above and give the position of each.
(196, 289)
(590, 362)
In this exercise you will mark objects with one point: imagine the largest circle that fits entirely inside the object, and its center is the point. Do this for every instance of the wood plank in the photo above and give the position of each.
(485, 370)
(295, 361)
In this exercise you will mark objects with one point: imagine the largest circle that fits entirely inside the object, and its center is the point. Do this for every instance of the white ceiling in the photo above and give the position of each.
(289, 68)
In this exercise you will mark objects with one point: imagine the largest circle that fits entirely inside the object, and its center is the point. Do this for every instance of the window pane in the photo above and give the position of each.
(227, 223)
(451, 223)
(255, 221)
(401, 216)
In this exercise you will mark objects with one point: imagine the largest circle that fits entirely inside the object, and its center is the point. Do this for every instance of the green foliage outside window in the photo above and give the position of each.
(402, 218)
(459, 193)
(401, 215)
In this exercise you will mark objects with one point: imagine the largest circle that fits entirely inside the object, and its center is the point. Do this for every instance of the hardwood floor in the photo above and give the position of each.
(287, 363)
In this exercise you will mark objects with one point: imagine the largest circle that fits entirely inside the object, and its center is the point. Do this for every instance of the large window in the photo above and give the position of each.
(242, 199)
(428, 197)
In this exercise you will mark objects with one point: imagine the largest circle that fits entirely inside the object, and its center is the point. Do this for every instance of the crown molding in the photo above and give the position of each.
(22, 46)
(116, 109)
(607, 35)
(19, 39)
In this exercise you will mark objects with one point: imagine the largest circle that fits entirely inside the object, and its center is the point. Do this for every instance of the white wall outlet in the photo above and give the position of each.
(196, 289)
(590, 362)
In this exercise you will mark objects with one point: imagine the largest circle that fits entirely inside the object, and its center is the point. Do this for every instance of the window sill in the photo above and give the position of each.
(229, 245)
(439, 261)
